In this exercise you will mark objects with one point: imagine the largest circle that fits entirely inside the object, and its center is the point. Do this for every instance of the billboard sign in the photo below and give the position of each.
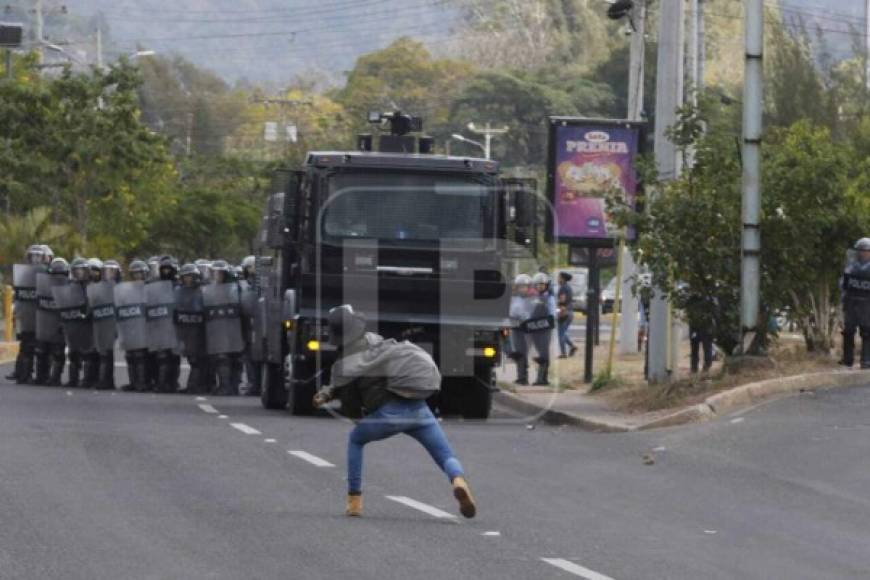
(588, 159)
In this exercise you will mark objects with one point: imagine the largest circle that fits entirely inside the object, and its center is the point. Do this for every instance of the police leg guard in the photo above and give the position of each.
(543, 371)
(92, 375)
(140, 372)
(75, 368)
(43, 364)
(164, 372)
(175, 373)
(848, 346)
(522, 370)
(58, 362)
(106, 379)
(194, 378)
(223, 366)
(28, 354)
(865, 348)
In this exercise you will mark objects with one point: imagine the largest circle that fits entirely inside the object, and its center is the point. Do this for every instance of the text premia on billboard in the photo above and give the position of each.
(587, 159)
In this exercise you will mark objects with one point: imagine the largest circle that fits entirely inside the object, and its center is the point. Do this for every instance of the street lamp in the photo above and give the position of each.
(464, 139)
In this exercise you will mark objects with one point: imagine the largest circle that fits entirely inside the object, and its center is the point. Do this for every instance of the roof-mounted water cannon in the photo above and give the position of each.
(398, 140)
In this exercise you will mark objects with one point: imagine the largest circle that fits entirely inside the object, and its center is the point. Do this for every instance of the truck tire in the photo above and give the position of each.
(477, 395)
(300, 389)
(273, 395)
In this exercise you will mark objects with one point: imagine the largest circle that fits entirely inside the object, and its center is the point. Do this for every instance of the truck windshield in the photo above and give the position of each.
(407, 206)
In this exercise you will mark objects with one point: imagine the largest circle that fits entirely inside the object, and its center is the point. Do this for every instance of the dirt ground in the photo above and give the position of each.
(628, 391)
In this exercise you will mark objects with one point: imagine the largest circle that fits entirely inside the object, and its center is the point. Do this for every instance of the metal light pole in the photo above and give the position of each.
(488, 133)
(750, 265)
(669, 96)
(629, 302)
(464, 139)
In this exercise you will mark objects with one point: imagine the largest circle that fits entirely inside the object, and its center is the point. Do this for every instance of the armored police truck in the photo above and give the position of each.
(415, 241)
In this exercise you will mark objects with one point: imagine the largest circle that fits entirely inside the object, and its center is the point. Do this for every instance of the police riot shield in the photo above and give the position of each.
(249, 304)
(190, 321)
(24, 283)
(539, 328)
(160, 296)
(101, 300)
(130, 304)
(223, 323)
(258, 330)
(48, 325)
(72, 305)
(856, 285)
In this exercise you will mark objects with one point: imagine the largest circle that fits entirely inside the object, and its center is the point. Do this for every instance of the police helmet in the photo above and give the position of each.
(59, 266)
(47, 254)
(80, 269)
(111, 270)
(863, 245)
(34, 254)
(95, 264)
(345, 325)
(138, 267)
(189, 270)
(220, 266)
(522, 280)
(540, 278)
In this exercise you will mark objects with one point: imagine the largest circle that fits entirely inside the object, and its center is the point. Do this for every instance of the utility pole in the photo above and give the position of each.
(753, 93)
(669, 96)
(702, 45)
(629, 302)
(693, 49)
(39, 30)
(99, 47)
(488, 133)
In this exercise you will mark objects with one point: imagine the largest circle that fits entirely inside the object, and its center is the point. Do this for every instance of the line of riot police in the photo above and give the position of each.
(158, 313)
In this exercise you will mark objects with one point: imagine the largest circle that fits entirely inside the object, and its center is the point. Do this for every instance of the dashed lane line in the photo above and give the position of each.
(223, 416)
(423, 507)
(208, 408)
(247, 430)
(201, 399)
(575, 569)
(312, 459)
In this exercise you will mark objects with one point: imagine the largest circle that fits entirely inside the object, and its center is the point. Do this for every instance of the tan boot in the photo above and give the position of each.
(354, 506)
(462, 493)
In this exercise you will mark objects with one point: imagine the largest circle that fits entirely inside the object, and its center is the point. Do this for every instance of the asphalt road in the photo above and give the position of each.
(118, 485)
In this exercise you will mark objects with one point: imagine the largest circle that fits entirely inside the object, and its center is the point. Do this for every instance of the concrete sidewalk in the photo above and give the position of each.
(590, 413)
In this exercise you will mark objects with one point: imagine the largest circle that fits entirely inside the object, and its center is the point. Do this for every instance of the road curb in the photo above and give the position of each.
(713, 406)
(554, 417)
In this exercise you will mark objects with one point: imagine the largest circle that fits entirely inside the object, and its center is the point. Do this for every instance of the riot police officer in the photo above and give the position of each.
(91, 377)
(130, 303)
(249, 296)
(224, 343)
(190, 327)
(540, 325)
(101, 301)
(856, 305)
(520, 311)
(25, 301)
(51, 346)
(71, 301)
(162, 339)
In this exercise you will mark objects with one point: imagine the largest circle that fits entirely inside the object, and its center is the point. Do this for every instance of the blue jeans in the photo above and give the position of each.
(407, 416)
(565, 343)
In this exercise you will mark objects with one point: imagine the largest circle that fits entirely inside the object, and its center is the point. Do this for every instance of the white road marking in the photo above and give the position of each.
(425, 508)
(208, 408)
(491, 534)
(312, 459)
(711, 532)
(201, 399)
(576, 569)
(245, 429)
(223, 416)
(737, 420)
(269, 440)
(69, 393)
